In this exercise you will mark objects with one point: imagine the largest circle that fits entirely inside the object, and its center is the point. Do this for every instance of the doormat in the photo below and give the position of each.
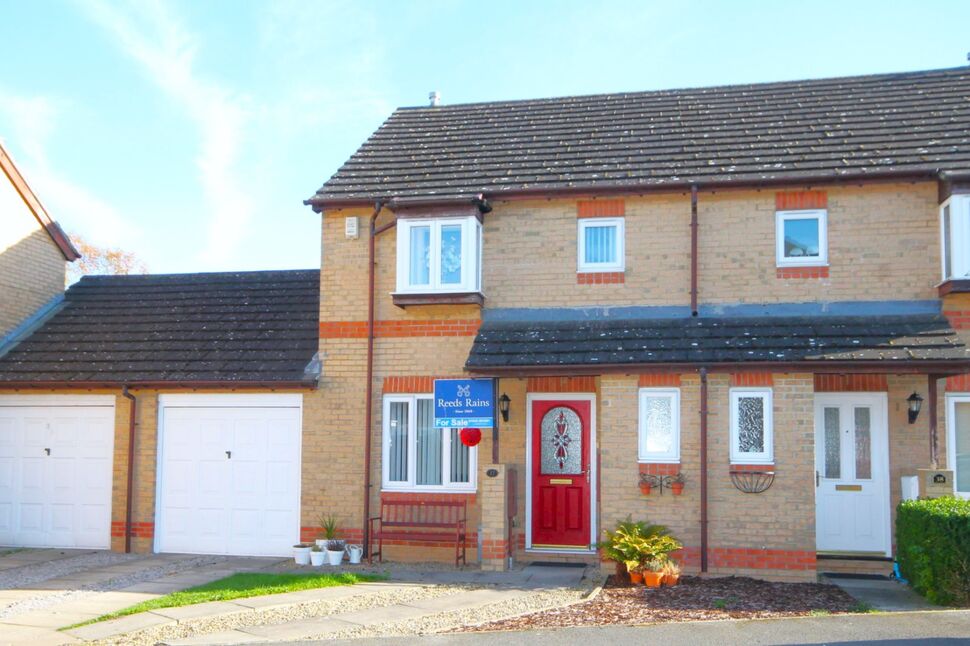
(554, 564)
(849, 575)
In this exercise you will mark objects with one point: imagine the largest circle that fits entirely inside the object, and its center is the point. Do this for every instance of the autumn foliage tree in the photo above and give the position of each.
(103, 260)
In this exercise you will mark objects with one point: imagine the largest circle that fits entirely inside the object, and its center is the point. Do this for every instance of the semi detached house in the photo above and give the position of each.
(754, 299)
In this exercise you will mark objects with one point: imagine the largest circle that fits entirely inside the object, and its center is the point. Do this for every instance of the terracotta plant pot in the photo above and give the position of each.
(671, 579)
(653, 579)
(677, 488)
(636, 578)
(645, 489)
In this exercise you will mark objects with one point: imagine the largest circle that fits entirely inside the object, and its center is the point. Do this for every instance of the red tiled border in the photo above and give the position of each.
(801, 272)
(660, 469)
(403, 328)
(600, 209)
(796, 200)
(138, 530)
(851, 383)
(958, 383)
(959, 319)
(659, 380)
(561, 385)
(749, 558)
(601, 278)
(351, 535)
(751, 379)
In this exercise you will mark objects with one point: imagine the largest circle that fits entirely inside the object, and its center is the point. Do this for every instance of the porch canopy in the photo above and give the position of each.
(862, 337)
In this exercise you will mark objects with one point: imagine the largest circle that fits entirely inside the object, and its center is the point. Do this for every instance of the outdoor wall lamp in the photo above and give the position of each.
(503, 406)
(915, 403)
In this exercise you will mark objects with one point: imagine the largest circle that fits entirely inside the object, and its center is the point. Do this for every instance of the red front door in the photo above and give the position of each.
(560, 473)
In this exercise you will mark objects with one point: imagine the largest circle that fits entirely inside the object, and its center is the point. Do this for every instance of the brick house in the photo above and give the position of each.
(739, 285)
(33, 252)
(742, 285)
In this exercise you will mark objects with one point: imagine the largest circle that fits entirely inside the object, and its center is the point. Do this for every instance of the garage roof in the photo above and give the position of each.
(886, 125)
(232, 328)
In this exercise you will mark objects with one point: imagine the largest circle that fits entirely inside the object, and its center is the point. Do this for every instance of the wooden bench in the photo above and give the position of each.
(425, 522)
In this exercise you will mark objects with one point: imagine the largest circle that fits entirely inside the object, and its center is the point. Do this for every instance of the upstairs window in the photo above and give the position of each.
(601, 244)
(955, 237)
(801, 238)
(439, 255)
(751, 426)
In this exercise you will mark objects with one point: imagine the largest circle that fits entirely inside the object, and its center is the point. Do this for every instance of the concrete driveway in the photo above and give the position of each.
(42, 590)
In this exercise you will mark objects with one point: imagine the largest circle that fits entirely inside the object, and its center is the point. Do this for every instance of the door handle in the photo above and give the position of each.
(228, 455)
(47, 451)
(816, 478)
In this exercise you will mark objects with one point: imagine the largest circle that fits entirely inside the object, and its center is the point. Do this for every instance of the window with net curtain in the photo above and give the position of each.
(419, 457)
(600, 243)
(659, 439)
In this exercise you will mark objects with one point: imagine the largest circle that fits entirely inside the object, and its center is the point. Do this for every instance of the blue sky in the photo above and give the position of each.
(190, 132)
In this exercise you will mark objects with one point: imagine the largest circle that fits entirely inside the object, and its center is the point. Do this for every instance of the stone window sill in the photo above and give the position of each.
(447, 298)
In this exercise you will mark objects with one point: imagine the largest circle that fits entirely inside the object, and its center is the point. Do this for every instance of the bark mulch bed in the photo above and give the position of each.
(695, 599)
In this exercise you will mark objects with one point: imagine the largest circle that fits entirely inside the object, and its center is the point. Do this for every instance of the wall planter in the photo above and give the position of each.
(317, 556)
(677, 488)
(645, 488)
(301, 553)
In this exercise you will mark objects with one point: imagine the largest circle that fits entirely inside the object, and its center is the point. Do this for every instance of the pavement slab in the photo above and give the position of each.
(12, 635)
(131, 623)
(195, 611)
(219, 639)
(883, 594)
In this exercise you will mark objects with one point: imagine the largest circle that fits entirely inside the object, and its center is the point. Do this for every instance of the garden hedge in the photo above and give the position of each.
(933, 548)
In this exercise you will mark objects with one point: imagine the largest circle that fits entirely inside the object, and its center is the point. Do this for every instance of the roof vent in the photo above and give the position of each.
(434, 98)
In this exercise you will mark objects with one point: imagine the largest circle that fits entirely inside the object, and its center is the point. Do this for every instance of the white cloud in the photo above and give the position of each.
(166, 51)
(32, 123)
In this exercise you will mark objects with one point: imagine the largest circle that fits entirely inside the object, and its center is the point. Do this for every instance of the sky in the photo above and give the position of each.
(191, 132)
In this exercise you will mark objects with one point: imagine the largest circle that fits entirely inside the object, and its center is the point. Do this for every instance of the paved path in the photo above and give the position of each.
(939, 628)
(33, 613)
(882, 594)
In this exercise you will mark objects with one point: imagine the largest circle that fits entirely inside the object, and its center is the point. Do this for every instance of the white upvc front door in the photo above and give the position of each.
(852, 473)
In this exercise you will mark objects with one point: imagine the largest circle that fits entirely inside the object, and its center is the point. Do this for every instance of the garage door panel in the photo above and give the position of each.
(247, 503)
(56, 472)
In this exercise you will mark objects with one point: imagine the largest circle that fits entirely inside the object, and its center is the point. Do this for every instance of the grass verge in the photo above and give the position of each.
(238, 586)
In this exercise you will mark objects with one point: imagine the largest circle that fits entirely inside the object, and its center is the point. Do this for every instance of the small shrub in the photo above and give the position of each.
(933, 548)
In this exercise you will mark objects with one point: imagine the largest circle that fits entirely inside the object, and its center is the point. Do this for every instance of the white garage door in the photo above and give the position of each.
(229, 474)
(55, 470)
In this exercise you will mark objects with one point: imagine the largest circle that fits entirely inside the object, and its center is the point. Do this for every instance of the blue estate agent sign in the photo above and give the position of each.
(464, 403)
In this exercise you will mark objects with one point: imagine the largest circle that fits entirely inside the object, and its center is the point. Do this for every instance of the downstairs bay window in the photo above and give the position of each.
(958, 441)
(439, 255)
(419, 457)
(955, 237)
(751, 426)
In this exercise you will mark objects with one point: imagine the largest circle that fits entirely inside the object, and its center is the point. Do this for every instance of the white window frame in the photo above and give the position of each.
(959, 243)
(471, 246)
(446, 486)
(952, 399)
(768, 455)
(592, 267)
(781, 217)
(673, 455)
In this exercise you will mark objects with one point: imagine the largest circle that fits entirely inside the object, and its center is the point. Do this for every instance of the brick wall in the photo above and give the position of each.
(31, 274)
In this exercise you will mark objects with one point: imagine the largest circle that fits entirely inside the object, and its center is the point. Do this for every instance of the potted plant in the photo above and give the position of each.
(677, 484)
(671, 573)
(646, 483)
(335, 552)
(625, 545)
(328, 529)
(636, 574)
(317, 556)
(301, 553)
(653, 572)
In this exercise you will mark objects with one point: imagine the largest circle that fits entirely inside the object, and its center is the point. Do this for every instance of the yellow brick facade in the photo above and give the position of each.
(31, 273)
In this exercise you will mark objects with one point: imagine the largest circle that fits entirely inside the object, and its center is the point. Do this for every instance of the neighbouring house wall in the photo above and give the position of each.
(31, 266)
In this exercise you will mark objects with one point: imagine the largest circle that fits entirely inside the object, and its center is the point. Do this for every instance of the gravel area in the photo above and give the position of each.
(695, 599)
(32, 573)
(450, 621)
(50, 598)
(272, 616)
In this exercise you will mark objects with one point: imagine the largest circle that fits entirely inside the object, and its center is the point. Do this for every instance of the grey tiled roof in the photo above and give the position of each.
(879, 339)
(220, 327)
(916, 122)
